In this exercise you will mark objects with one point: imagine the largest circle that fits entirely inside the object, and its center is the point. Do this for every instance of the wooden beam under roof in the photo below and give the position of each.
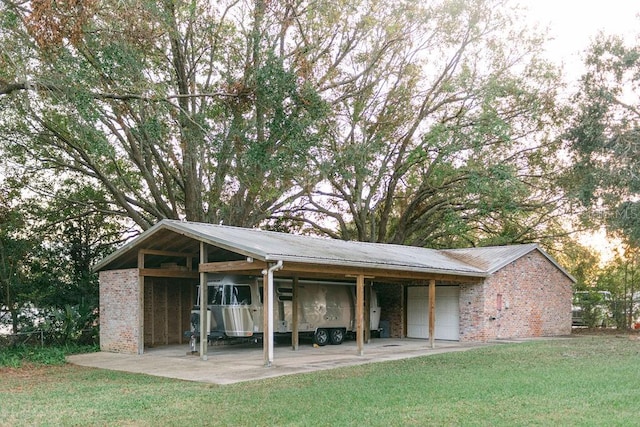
(166, 272)
(167, 253)
(335, 270)
(328, 271)
(235, 266)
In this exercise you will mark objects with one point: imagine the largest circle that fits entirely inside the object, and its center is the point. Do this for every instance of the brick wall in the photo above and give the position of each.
(528, 298)
(472, 316)
(120, 307)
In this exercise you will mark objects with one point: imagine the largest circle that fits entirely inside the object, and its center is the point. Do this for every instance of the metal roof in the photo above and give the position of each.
(493, 258)
(174, 235)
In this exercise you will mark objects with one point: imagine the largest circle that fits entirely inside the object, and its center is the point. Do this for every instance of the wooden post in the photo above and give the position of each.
(295, 339)
(360, 314)
(140, 303)
(367, 313)
(432, 312)
(204, 308)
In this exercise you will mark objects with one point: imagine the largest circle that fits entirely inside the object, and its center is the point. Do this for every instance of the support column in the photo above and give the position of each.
(266, 303)
(367, 313)
(360, 314)
(295, 339)
(204, 308)
(268, 308)
(432, 313)
(140, 303)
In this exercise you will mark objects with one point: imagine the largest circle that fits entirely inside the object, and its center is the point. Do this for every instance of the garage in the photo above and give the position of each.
(447, 312)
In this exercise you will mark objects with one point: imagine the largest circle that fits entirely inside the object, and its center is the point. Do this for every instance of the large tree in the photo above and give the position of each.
(411, 122)
(179, 109)
(442, 130)
(16, 246)
(605, 138)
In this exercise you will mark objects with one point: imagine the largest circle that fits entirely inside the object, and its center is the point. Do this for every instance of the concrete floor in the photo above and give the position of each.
(229, 364)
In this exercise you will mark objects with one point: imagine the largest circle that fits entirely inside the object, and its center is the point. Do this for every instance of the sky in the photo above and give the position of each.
(573, 24)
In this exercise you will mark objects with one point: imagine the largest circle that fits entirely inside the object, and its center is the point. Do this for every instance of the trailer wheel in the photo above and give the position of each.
(321, 337)
(336, 336)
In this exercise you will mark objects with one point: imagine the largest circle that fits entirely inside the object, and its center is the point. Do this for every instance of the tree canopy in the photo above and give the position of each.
(605, 138)
(407, 122)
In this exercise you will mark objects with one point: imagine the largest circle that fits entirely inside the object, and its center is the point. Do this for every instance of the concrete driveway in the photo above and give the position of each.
(229, 364)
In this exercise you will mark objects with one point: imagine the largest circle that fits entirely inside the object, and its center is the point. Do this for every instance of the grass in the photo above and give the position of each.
(580, 381)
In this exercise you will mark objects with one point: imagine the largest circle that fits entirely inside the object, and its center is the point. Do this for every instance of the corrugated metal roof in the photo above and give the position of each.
(274, 246)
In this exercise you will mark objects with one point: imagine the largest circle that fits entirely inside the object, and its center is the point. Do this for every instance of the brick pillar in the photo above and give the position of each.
(120, 311)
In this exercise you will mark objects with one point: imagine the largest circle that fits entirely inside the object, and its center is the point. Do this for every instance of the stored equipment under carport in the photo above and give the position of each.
(326, 310)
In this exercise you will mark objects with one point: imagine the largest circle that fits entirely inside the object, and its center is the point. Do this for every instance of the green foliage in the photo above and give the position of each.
(605, 137)
(158, 105)
(450, 149)
(620, 277)
(406, 116)
(20, 355)
(594, 308)
(78, 324)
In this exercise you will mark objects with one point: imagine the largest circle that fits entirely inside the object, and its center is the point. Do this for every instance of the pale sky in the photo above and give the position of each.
(573, 24)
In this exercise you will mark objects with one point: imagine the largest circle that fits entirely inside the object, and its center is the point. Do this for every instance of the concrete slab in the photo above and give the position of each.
(229, 364)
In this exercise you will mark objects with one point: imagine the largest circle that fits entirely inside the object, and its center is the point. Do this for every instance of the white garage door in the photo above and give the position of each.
(447, 312)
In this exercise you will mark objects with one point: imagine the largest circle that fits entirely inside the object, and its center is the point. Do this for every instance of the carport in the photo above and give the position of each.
(137, 302)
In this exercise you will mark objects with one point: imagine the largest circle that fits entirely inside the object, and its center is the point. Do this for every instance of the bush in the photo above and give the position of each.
(17, 355)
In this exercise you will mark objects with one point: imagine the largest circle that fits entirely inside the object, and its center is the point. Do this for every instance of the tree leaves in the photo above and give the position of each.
(409, 122)
(605, 136)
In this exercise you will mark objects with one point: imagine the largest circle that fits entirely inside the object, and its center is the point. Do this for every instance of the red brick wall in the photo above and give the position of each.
(120, 306)
(530, 297)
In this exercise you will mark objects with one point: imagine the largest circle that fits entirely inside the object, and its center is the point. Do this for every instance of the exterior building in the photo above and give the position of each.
(148, 287)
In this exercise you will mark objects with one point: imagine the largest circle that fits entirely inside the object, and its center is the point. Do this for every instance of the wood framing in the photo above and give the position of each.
(204, 297)
(432, 313)
(229, 266)
(336, 270)
(295, 335)
(360, 314)
(162, 272)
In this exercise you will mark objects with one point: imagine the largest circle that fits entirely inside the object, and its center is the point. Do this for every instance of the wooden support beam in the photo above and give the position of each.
(218, 267)
(432, 312)
(162, 272)
(141, 325)
(367, 313)
(167, 253)
(360, 314)
(321, 270)
(204, 298)
(295, 338)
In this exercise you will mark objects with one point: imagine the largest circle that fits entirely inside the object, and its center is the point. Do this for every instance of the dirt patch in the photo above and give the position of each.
(28, 375)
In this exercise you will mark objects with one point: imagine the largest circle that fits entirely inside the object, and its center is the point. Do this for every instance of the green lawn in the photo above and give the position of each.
(580, 381)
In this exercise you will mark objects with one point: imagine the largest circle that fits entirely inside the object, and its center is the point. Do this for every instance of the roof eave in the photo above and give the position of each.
(387, 267)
